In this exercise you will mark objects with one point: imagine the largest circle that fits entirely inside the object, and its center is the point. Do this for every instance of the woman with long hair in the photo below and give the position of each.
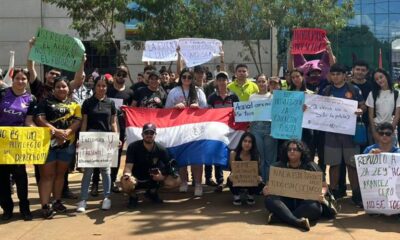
(296, 212)
(16, 109)
(63, 117)
(187, 95)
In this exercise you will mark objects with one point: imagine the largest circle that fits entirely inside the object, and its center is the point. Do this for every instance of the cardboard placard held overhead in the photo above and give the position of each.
(244, 173)
(308, 41)
(295, 183)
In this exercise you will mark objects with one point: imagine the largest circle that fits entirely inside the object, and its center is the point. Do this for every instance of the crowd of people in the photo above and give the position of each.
(87, 104)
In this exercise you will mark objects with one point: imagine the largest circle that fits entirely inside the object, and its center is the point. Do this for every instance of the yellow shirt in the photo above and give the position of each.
(245, 91)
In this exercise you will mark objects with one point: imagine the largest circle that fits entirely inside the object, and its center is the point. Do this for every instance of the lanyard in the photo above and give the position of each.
(186, 98)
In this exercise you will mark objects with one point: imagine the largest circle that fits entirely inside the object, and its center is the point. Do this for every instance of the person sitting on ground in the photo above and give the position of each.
(245, 151)
(385, 140)
(149, 163)
(296, 212)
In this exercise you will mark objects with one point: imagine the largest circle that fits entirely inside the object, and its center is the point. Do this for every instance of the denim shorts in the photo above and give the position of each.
(61, 154)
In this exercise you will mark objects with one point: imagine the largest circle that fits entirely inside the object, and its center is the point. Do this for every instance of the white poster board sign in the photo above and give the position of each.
(330, 114)
(160, 51)
(118, 102)
(98, 149)
(379, 178)
(251, 111)
(196, 51)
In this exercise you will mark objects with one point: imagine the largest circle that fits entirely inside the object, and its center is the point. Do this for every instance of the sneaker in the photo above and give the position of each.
(94, 191)
(250, 200)
(198, 190)
(26, 215)
(106, 205)
(304, 224)
(59, 207)
(269, 217)
(236, 200)
(69, 195)
(7, 215)
(153, 197)
(183, 187)
(81, 206)
(211, 183)
(219, 188)
(47, 212)
(115, 188)
(133, 202)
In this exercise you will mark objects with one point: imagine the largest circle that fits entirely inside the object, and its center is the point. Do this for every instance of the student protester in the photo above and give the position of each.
(80, 92)
(17, 108)
(384, 142)
(167, 83)
(200, 77)
(150, 165)
(151, 96)
(295, 212)
(340, 147)
(186, 94)
(221, 98)
(63, 117)
(245, 151)
(119, 91)
(266, 144)
(383, 103)
(43, 90)
(242, 86)
(99, 114)
(146, 71)
(211, 86)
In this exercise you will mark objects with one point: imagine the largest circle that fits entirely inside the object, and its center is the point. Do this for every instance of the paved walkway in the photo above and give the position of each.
(184, 217)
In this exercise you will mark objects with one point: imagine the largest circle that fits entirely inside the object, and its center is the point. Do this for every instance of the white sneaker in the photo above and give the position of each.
(198, 190)
(81, 206)
(106, 204)
(183, 187)
(236, 200)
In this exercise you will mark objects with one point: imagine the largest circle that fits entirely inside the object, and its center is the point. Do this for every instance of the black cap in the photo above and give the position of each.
(154, 73)
(199, 69)
(149, 127)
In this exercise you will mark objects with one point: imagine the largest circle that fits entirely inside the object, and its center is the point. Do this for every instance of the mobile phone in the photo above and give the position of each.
(154, 171)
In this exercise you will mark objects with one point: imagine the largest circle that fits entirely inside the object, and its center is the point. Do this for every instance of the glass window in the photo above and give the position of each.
(381, 6)
(394, 6)
(367, 7)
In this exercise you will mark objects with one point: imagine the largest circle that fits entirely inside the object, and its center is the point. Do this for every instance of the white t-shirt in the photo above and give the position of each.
(384, 105)
(176, 96)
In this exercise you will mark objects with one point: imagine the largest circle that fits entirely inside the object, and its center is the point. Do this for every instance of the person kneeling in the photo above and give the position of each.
(151, 167)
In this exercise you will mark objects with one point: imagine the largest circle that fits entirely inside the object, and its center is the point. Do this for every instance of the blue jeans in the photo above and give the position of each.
(266, 145)
(87, 175)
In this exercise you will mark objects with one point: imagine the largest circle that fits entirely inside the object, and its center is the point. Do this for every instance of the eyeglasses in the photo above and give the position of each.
(149, 133)
(187, 77)
(295, 149)
(122, 74)
(388, 134)
(54, 73)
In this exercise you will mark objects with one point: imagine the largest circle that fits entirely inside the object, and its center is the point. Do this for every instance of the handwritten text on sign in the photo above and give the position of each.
(295, 183)
(253, 111)
(196, 51)
(162, 51)
(24, 145)
(57, 50)
(98, 149)
(287, 114)
(330, 114)
(244, 173)
(308, 41)
(379, 178)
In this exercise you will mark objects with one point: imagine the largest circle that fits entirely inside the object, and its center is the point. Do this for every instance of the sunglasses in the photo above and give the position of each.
(293, 149)
(149, 133)
(55, 74)
(388, 134)
(187, 77)
(122, 74)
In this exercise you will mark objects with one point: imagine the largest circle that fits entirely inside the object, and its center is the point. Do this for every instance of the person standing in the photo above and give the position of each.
(242, 86)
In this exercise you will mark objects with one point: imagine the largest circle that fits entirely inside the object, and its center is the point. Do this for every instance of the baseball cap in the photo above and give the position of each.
(222, 74)
(154, 73)
(149, 127)
(107, 76)
(199, 69)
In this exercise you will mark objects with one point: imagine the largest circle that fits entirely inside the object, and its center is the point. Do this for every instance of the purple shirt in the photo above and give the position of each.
(14, 109)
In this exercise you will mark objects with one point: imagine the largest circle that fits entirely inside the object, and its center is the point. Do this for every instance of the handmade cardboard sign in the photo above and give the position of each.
(308, 41)
(244, 173)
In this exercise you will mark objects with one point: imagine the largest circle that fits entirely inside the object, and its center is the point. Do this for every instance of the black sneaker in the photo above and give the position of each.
(250, 200)
(133, 202)
(219, 188)
(115, 188)
(26, 215)
(59, 207)
(153, 197)
(211, 183)
(7, 215)
(69, 195)
(47, 212)
(94, 191)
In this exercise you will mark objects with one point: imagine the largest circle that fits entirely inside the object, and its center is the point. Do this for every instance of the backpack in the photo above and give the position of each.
(396, 95)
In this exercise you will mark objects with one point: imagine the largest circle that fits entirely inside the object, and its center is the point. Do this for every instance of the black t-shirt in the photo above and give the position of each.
(147, 98)
(143, 160)
(99, 113)
(365, 88)
(168, 87)
(40, 90)
(215, 100)
(309, 166)
(138, 85)
(126, 94)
